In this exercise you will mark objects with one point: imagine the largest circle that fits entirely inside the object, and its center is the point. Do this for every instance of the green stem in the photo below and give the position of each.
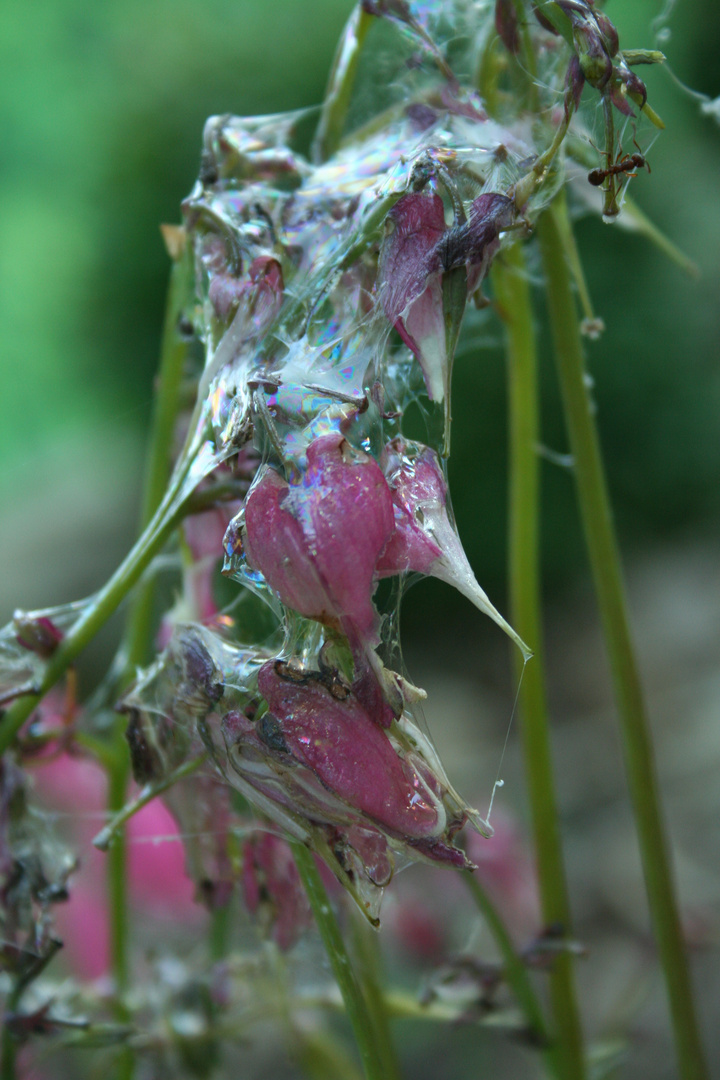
(118, 774)
(146, 795)
(340, 85)
(516, 973)
(355, 1004)
(173, 353)
(610, 206)
(512, 291)
(8, 1042)
(366, 943)
(118, 777)
(607, 574)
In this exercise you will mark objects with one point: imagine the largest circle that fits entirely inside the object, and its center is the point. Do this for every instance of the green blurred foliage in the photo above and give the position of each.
(102, 108)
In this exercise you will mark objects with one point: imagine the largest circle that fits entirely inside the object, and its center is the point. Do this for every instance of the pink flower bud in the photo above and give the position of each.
(37, 633)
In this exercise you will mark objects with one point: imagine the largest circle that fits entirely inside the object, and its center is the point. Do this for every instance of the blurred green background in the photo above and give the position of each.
(101, 113)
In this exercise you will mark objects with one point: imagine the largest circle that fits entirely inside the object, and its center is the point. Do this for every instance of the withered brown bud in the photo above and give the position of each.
(145, 757)
(506, 24)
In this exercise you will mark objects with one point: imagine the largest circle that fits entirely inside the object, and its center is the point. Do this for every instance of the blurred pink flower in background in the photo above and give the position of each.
(431, 917)
(158, 886)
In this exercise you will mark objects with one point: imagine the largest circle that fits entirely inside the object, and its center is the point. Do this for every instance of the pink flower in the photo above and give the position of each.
(421, 295)
(272, 887)
(317, 542)
(157, 881)
(351, 756)
(505, 867)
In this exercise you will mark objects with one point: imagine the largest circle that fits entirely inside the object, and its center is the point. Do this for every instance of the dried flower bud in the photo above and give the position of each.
(506, 24)
(544, 21)
(417, 251)
(261, 292)
(37, 633)
(574, 83)
(411, 288)
(610, 37)
(595, 63)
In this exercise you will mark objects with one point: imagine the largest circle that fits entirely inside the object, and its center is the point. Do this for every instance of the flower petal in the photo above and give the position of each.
(425, 539)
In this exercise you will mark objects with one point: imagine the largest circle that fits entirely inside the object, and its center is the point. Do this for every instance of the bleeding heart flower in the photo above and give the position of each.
(351, 755)
(316, 542)
(422, 288)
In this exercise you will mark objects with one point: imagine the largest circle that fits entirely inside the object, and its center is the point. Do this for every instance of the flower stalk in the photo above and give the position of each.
(355, 1004)
(512, 293)
(605, 564)
(515, 971)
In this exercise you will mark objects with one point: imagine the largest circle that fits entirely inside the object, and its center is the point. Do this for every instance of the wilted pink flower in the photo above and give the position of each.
(261, 292)
(352, 757)
(317, 542)
(412, 286)
(273, 889)
(418, 254)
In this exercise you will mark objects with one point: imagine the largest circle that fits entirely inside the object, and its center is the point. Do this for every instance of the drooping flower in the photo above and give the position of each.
(427, 270)
(317, 542)
(351, 756)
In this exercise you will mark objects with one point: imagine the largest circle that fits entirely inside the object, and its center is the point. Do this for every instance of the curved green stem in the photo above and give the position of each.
(340, 85)
(355, 1004)
(516, 973)
(366, 942)
(118, 775)
(607, 575)
(173, 353)
(98, 610)
(512, 293)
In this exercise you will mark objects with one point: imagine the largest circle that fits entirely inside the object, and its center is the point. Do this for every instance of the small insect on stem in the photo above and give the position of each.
(622, 165)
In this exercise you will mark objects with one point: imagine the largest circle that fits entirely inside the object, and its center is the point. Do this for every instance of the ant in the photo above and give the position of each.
(622, 165)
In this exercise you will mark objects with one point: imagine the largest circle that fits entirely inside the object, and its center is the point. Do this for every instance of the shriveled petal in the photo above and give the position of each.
(273, 889)
(411, 284)
(425, 539)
